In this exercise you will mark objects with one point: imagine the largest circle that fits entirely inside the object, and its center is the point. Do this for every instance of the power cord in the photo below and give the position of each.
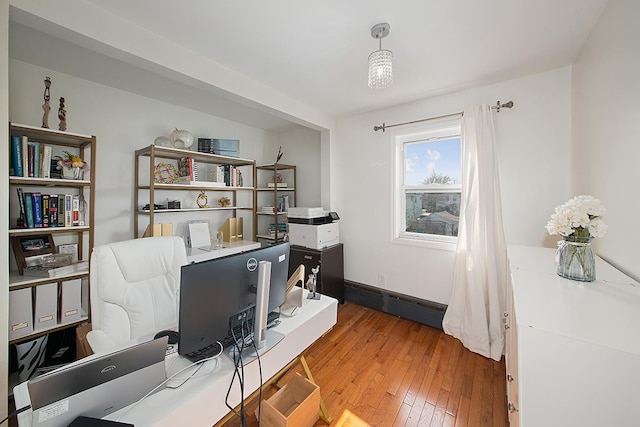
(239, 373)
(16, 413)
(199, 362)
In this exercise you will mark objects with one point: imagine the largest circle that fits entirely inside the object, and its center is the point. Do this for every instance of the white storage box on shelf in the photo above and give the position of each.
(45, 306)
(20, 313)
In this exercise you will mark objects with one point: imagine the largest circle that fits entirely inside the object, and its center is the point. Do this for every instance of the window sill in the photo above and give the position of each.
(426, 243)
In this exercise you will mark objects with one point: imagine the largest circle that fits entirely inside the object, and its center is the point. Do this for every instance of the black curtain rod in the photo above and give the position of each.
(496, 107)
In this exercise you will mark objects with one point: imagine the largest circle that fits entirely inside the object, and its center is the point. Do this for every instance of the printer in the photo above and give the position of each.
(313, 228)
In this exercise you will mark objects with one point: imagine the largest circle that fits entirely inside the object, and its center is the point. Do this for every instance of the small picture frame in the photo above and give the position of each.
(26, 247)
(199, 234)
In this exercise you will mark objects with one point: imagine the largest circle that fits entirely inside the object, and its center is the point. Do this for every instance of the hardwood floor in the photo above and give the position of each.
(389, 371)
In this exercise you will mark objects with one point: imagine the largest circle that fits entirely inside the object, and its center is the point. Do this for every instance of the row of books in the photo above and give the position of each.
(31, 159)
(230, 175)
(39, 210)
(227, 174)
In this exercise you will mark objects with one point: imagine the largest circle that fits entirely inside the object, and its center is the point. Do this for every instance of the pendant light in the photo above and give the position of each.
(381, 60)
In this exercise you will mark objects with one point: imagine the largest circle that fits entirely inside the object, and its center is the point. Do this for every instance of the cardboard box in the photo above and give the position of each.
(297, 404)
(20, 313)
(45, 310)
(314, 236)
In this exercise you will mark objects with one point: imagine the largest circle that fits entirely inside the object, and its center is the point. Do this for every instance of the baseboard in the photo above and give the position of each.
(422, 311)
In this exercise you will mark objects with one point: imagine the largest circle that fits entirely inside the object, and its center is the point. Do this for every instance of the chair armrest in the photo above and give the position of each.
(99, 341)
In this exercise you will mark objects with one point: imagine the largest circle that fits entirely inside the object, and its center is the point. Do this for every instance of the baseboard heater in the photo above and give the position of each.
(426, 312)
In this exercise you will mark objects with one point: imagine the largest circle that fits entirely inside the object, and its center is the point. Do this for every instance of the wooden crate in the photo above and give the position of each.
(297, 404)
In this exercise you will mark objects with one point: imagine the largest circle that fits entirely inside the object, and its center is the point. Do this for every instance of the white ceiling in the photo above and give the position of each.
(316, 51)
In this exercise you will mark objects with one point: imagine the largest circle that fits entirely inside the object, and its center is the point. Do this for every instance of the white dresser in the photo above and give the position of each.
(572, 348)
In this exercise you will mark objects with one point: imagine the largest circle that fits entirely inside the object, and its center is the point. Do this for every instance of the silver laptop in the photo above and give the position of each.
(98, 386)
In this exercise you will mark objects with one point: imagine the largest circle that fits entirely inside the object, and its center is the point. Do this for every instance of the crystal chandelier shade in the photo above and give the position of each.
(380, 61)
(380, 69)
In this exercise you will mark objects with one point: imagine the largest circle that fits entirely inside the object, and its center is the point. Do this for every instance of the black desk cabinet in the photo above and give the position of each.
(330, 280)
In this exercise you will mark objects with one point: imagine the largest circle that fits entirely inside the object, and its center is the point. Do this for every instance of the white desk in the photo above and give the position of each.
(201, 401)
(228, 248)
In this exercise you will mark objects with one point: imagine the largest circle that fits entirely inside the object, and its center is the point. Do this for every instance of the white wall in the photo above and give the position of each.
(301, 147)
(533, 150)
(122, 123)
(4, 217)
(606, 149)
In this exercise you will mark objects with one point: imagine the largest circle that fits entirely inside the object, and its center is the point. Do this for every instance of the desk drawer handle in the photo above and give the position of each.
(506, 326)
(512, 407)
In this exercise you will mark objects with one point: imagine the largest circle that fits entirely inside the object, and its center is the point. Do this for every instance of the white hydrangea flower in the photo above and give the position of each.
(580, 216)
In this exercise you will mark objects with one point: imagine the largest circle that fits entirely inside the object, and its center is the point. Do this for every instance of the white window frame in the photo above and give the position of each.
(433, 130)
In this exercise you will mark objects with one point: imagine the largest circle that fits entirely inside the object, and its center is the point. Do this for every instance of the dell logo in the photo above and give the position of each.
(107, 369)
(252, 264)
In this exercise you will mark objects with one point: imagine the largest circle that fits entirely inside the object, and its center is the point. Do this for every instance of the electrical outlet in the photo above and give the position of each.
(381, 279)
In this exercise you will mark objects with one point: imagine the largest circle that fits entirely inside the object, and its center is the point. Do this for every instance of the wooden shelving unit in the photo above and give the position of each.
(269, 196)
(82, 235)
(147, 190)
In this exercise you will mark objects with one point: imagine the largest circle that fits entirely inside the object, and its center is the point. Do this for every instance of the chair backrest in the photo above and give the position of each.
(134, 286)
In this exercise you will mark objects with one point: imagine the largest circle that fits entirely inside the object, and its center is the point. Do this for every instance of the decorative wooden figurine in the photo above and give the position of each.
(46, 107)
(62, 115)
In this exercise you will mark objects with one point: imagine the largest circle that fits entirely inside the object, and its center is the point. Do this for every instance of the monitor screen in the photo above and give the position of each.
(213, 291)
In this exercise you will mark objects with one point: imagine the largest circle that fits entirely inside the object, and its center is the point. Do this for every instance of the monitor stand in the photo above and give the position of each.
(249, 354)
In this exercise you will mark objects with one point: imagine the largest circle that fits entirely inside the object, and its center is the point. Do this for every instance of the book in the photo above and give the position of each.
(46, 161)
(36, 159)
(31, 155)
(82, 206)
(22, 221)
(37, 209)
(45, 210)
(75, 208)
(53, 210)
(193, 169)
(40, 159)
(25, 156)
(28, 209)
(61, 211)
(16, 155)
(68, 210)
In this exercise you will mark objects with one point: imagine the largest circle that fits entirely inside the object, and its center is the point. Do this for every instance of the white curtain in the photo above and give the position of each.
(476, 307)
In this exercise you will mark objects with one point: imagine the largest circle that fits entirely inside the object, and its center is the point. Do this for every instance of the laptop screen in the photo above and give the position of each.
(97, 386)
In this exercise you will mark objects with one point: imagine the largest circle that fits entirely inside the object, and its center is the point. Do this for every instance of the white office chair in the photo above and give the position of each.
(134, 288)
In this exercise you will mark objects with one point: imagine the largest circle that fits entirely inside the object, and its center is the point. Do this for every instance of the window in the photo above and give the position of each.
(428, 185)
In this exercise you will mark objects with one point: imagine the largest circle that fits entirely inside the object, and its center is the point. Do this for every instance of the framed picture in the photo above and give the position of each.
(25, 247)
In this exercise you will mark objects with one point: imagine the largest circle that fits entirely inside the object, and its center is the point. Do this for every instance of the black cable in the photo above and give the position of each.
(15, 413)
(237, 363)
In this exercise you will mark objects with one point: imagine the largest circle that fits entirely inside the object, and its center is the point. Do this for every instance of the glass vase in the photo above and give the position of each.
(576, 260)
